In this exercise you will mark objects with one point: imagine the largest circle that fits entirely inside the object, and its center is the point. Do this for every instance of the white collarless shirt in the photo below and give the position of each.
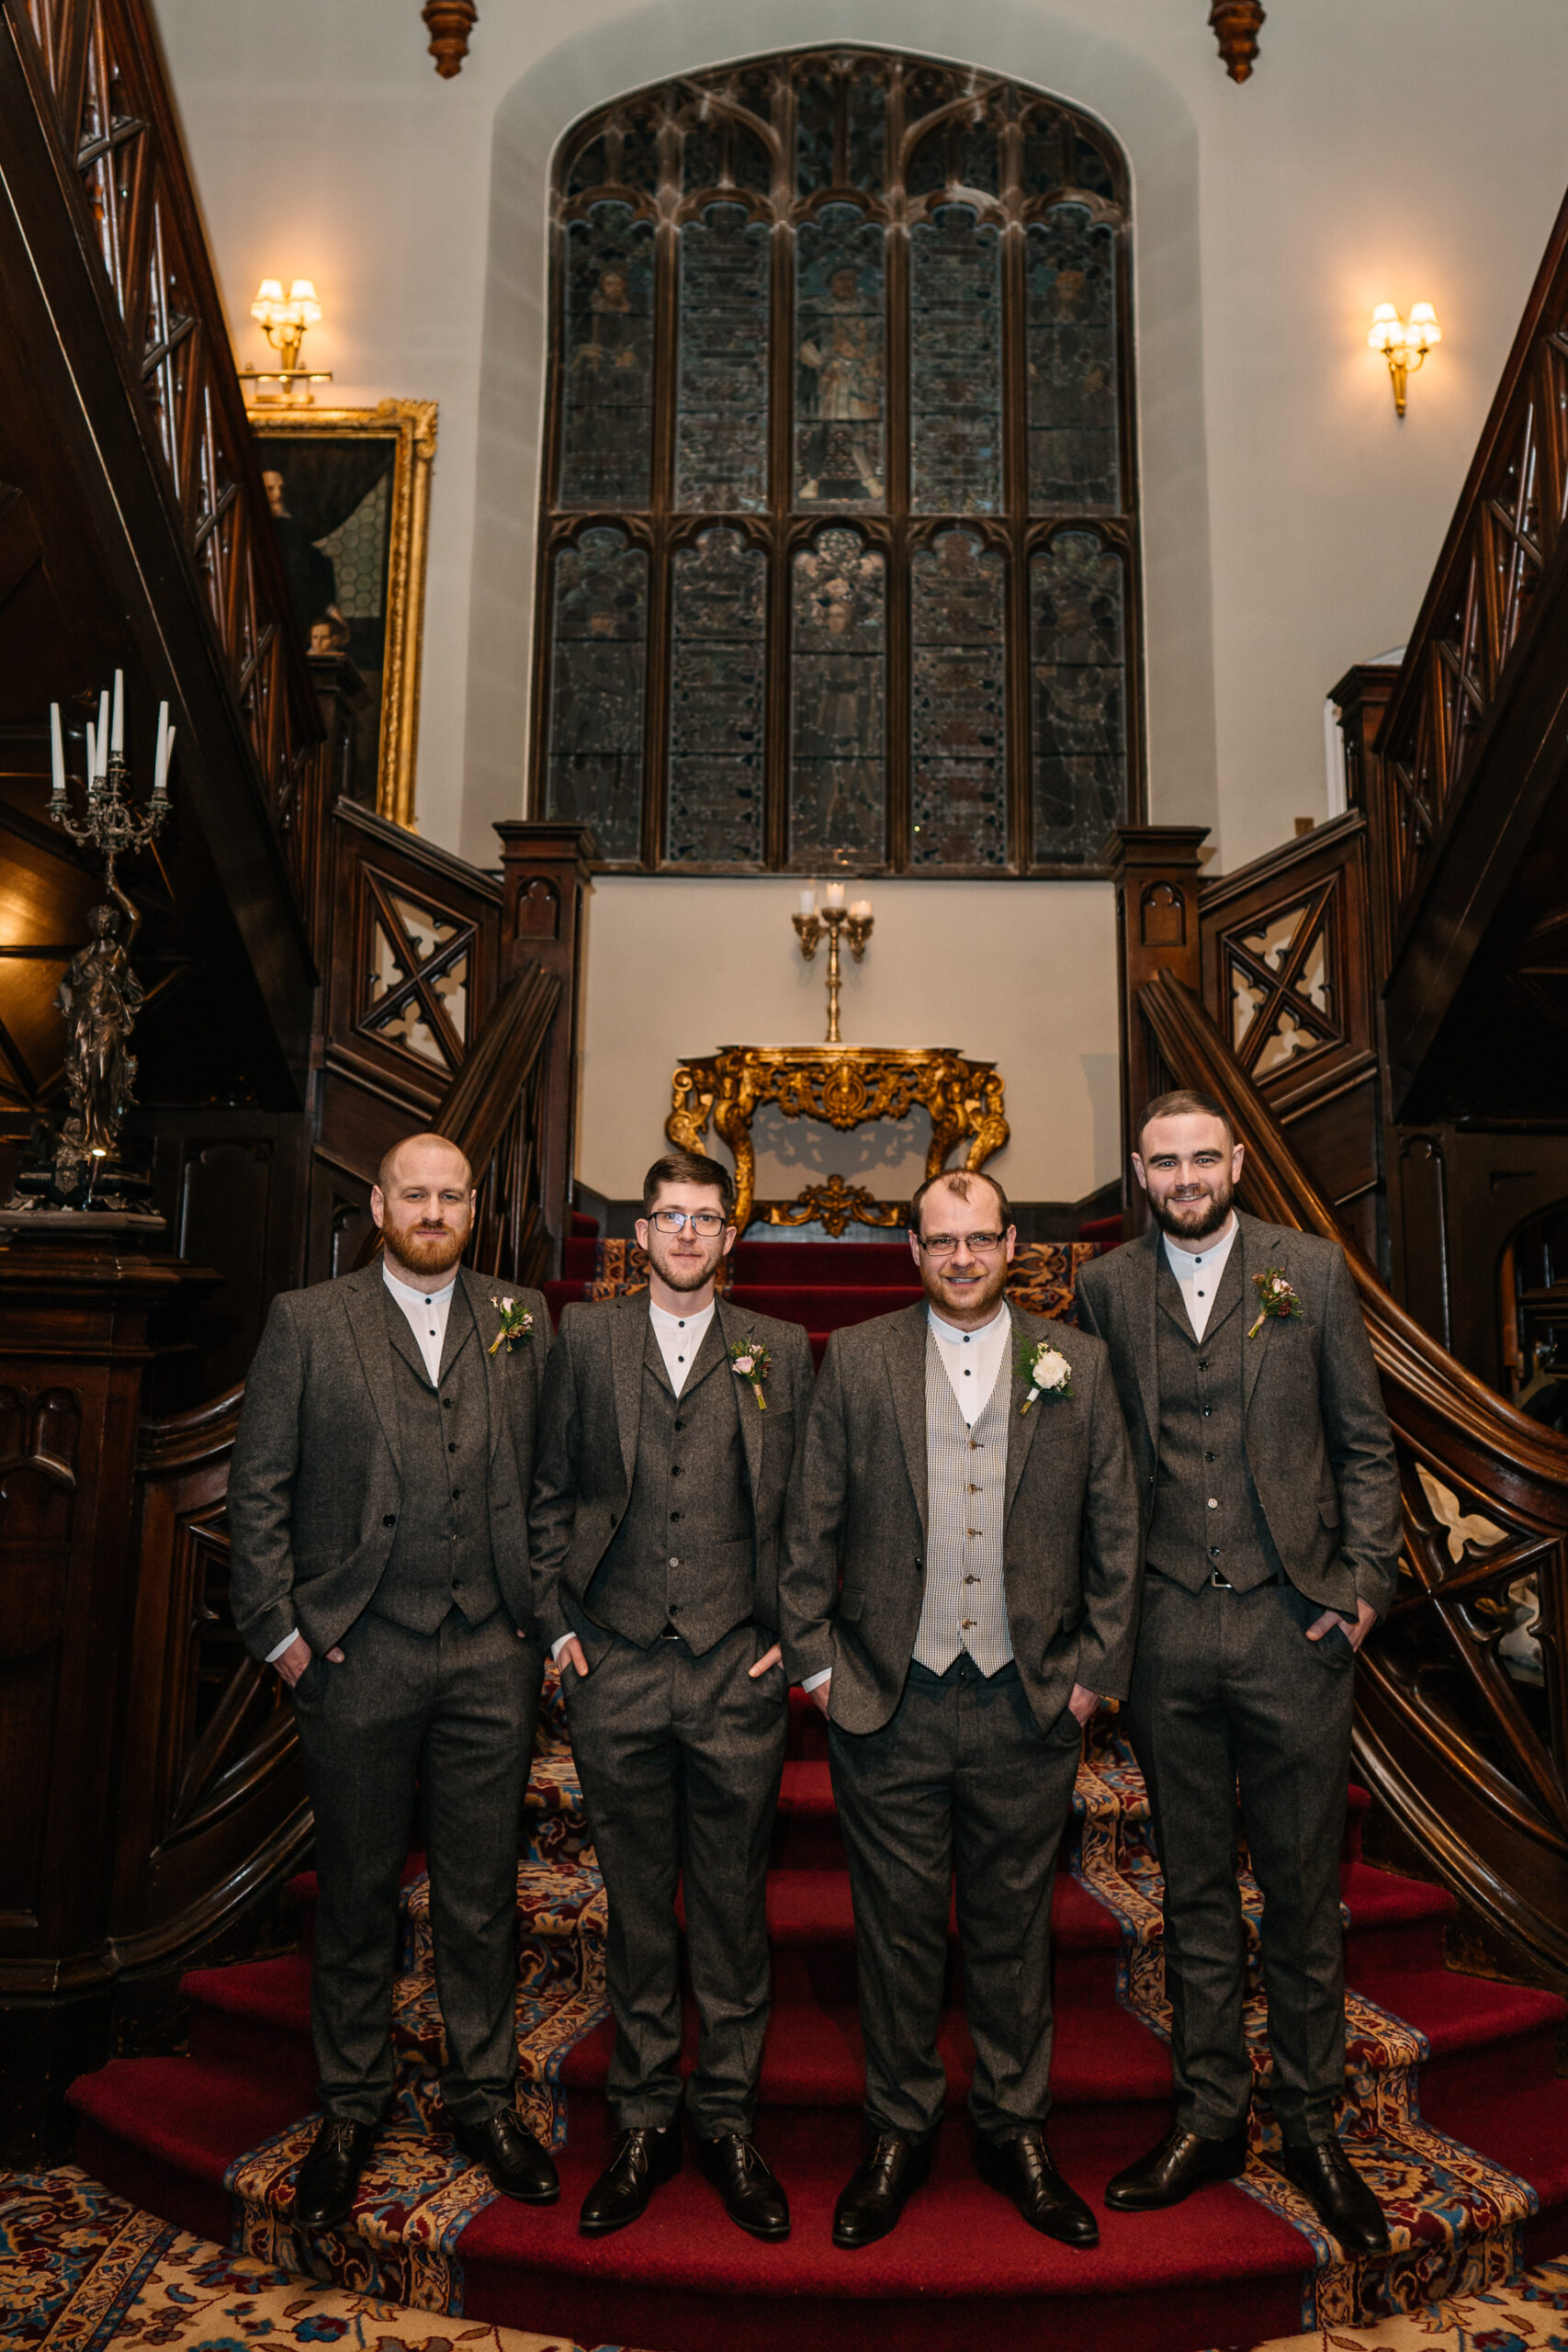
(427, 1311)
(1199, 1271)
(678, 1337)
(972, 1360)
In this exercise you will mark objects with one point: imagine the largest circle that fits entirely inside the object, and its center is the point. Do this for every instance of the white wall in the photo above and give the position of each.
(1023, 975)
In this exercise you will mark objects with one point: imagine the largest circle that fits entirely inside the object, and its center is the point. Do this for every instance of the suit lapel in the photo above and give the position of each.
(1021, 1426)
(365, 1303)
(731, 1331)
(904, 1348)
(628, 1337)
(486, 1324)
(1142, 1281)
(1261, 1246)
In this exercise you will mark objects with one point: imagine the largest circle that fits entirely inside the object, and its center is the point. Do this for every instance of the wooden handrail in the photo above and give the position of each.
(1475, 1778)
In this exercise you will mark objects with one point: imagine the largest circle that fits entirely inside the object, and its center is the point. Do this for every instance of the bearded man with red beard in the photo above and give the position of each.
(377, 1514)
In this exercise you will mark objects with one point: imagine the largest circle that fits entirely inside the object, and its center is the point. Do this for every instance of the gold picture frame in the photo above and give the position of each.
(389, 522)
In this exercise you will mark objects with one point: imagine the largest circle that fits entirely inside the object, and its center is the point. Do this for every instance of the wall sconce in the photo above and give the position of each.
(284, 320)
(1404, 342)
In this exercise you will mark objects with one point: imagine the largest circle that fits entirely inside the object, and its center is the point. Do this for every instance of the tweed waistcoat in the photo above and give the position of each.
(1206, 1518)
(440, 1556)
(684, 1555)
(965, 1606)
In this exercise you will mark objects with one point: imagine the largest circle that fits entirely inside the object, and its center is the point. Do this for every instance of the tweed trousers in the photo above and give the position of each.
(1227, 1689)
(960, 1780)
(453, 1711)
(679, 1759)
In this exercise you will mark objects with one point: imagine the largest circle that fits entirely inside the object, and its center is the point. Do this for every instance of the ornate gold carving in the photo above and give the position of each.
(1236, 25)
(412, 423)
(834, 1204)
(847, 1086)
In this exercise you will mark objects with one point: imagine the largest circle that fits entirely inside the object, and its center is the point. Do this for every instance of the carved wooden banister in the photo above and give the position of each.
(492, 1115)
(1466, 1746)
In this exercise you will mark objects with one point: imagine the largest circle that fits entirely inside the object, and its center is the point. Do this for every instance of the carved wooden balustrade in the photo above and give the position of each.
(1462, 1690)
(97, 80)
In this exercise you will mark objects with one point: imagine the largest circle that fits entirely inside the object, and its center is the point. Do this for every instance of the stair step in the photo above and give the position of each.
(831, 1309)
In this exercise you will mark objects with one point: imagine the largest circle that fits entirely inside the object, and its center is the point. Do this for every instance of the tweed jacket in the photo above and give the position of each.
(588, 1449)
(853, 1579)
(317, 1483)
(1318, 1443)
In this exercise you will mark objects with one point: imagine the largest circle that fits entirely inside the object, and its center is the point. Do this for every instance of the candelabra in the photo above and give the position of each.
(854, 922)
(100, 994)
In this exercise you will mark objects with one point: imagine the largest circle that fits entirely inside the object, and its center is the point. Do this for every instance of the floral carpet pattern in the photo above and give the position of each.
(1454, 2216)
(1531, 2316)
(81, 2270)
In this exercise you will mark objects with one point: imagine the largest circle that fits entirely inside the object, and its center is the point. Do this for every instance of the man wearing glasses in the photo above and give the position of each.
(960, 1590)
(667, 1432)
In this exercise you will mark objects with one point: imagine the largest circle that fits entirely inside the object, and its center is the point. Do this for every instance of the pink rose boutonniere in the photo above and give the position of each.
(751, 1362)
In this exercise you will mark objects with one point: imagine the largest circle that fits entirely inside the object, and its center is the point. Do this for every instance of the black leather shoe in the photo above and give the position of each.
(516, 2163)
(329, 2174)
(1338, 2195)
(645, 2160)
(893, 2167)
(1182, 2162)
(1022, 2169)
(752, 2198)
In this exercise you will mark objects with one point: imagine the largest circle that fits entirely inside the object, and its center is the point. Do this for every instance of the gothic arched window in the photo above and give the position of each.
(839, 556)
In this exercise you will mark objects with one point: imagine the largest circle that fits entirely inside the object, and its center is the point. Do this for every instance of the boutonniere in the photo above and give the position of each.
(515, 1324)
(1045, 1368)
(750, 1361)
(1275, 1297)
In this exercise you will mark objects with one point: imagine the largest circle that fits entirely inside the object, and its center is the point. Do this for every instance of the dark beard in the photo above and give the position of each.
(1195, 1220)
(682, 1278)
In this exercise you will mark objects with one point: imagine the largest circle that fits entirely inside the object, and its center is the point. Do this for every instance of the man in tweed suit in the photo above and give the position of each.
(980, 1510)
(1272, 1515)
(378, 1512)
(666, 1438)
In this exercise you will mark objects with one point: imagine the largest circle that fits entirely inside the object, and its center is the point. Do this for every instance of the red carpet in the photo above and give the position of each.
(1433, 2053)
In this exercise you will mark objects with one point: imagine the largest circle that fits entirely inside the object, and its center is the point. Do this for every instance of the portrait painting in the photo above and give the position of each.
(349, 493)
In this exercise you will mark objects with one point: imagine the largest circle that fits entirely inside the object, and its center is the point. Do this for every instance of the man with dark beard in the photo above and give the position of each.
(378, 1511)
(960, 1591)
(1271, 1544)
(666, 1438)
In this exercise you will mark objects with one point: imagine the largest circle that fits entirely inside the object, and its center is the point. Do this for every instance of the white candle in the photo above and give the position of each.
(808, 902)
(117, 730)
(102, 737)
(834, 895)
(161, 755)
(57, 750)
(168, 755)
(861, 911)
(92, 751)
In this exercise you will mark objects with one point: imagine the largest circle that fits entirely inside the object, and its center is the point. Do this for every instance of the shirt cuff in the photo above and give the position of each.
(556, 1646)
(814, 1682)
(287, 1642)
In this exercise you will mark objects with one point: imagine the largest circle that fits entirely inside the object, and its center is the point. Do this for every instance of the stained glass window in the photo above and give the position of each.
(597, 679)
(717, 660)
(840, 542)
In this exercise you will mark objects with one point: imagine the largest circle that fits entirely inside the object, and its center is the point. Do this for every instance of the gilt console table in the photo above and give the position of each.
(847, 1086)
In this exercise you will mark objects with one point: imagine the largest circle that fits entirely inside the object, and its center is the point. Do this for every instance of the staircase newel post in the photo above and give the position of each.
(546, 872)
(1362, 697)
(1155, 870)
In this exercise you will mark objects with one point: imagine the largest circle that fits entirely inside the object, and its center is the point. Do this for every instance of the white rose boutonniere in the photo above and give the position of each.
(516, 1325)
(1045, 1368)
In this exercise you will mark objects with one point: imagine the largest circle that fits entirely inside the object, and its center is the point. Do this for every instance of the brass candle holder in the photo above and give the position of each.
(853, 923)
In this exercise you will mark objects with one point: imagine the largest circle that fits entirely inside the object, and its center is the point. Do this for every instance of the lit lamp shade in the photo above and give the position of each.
(1424, 330)
(1387, 331)
(268, 305)
(302, 301)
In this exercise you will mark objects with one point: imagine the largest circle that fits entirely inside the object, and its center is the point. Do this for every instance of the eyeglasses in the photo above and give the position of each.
(707, 1222)
(942, 1245)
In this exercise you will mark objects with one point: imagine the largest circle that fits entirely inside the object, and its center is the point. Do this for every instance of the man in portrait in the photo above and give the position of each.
(841, 391)
(960, 1590)
(377, 1514)
(1271, 1544)
(668, 1433)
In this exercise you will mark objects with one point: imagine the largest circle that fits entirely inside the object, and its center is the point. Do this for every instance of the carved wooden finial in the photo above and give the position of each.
(449, 23)
(1236, 25)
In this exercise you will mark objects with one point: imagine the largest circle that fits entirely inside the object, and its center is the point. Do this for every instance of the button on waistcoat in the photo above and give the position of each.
(965, 1605)
(684, 1553)
(441, 1553)
(1206, 1515)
